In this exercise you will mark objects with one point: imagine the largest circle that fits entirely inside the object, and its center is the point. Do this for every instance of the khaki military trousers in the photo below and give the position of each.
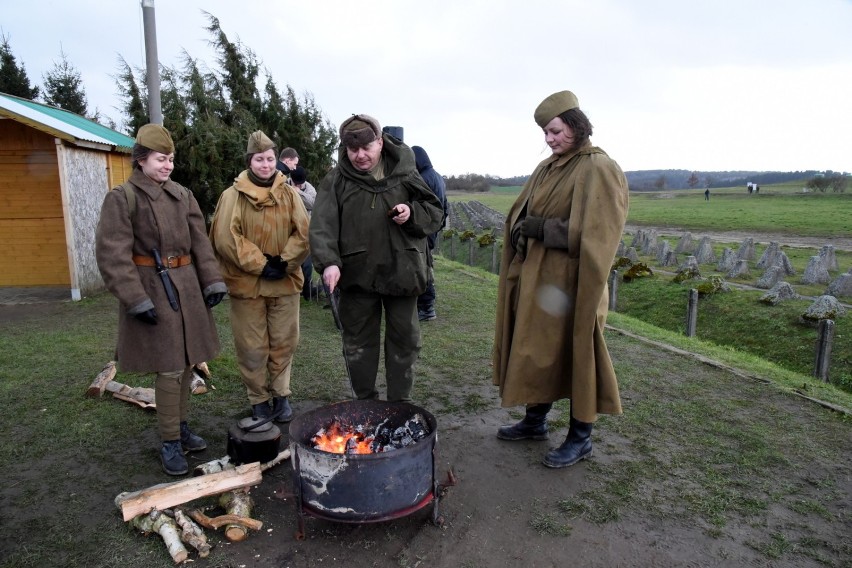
(171, 395)
(361, 316)
(266, 334)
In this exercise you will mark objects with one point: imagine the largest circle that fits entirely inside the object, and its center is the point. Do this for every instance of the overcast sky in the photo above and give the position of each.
(699, 85)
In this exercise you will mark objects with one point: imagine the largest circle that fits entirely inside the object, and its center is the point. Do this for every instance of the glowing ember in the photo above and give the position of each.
(340, 438)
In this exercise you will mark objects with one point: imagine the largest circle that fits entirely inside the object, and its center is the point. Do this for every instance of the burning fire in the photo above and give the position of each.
(341, 438)
(336, 440)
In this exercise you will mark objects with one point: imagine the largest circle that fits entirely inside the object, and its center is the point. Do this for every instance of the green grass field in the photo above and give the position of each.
(779, 208)
(735, 320)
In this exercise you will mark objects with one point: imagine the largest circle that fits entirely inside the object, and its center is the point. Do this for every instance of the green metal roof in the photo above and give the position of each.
(62, 123)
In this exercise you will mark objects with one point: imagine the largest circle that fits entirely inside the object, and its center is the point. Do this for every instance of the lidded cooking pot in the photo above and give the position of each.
(253, 440)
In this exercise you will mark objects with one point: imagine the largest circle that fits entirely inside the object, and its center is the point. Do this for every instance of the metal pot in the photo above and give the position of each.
(253, 440)
(361, 488)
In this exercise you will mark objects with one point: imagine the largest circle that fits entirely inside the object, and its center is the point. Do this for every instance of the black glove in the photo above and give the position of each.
(275, 269)
(212, 300)
(533, 227)
(149, 317)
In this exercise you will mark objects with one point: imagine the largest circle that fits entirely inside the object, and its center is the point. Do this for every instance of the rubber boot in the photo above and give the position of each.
(281, 409)
(577, 446)
(261, 410)
(532, 427)
(171, 455)
(189, 441)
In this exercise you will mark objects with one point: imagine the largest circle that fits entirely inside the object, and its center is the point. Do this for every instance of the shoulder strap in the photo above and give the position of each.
(130, 195)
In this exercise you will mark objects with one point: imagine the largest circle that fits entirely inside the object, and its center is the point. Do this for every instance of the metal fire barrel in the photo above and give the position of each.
(359, 488)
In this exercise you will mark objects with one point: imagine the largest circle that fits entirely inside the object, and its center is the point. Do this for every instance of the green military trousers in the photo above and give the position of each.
(266, 334)
(361, 316)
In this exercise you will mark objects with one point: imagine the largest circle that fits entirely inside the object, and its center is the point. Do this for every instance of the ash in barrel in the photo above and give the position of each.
(342, 438)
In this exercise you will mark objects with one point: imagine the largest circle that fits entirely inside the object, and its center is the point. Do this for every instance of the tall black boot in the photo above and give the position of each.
(577, 446)
(532, 427)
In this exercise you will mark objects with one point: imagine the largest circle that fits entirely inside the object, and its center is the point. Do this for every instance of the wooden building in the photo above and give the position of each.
(55, 167)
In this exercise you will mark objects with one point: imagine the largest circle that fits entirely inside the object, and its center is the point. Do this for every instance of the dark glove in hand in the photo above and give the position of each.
(213, 299)
(533, 227)
(275, 269)
(149, 317)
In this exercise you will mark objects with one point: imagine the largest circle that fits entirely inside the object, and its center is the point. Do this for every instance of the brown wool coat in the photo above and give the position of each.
(552, 304)
(168, 218)
(250, 221)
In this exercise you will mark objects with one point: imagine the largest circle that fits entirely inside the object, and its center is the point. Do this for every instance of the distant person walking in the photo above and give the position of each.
(707, 194)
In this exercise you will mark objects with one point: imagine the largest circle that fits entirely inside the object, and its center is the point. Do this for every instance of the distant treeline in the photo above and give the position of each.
(653, 180)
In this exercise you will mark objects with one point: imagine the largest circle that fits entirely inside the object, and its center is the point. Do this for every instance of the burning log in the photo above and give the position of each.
(191, 534)
(160, 523)
(343, 438)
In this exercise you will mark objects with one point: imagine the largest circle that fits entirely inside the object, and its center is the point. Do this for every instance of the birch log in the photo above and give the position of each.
(156, 522)
(191, 534)
(237, 503)
(171, 494)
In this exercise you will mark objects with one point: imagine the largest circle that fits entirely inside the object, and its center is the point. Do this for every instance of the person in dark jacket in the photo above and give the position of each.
(160, 330)
(426, 300)
(368, 237)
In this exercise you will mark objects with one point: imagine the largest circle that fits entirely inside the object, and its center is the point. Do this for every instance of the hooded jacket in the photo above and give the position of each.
(251, 221)
(552, 303)
(350, 227)
(435, 182)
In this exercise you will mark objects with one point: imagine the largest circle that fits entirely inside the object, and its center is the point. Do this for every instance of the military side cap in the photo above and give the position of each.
(258, 142)
(554, 105)
(156, 138)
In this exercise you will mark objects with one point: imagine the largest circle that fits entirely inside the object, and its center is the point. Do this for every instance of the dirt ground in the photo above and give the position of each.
(499, 512)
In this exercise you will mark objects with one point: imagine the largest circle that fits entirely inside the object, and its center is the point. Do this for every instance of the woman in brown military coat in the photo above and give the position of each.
(161, 331)
(563, 232)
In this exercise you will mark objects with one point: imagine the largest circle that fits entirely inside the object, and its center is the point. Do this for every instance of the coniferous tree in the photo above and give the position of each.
(134, 105)
(63, 87)
(13, 78)
(211, 114)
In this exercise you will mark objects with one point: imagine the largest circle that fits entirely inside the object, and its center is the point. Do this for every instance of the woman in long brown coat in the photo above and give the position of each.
(562, 234)
(161, 332)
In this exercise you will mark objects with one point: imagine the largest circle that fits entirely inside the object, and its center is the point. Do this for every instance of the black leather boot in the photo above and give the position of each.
(189, 441)
(577, 446)
(171, 454)
(281, 409)
(261, 410)
(532, 427)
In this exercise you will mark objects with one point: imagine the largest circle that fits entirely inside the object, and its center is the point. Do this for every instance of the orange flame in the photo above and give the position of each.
(336, 440)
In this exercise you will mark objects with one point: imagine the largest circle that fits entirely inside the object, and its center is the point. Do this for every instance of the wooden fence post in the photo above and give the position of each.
(494, 258)
(825, 337)
(613, 290)
(470, 252)
(691, 313)
(453, 247)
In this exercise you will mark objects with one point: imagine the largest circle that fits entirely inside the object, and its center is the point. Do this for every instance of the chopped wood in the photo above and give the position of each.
(191, 534)
(168, 495)
(222, 520)
(140, 396)
(223, 463)
(237, 503)
(97, 387)
(155, 521)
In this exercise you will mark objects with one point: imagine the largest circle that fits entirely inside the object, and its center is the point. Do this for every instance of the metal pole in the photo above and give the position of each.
(692, 313)
(152, 63)
(825, 338)
(494, 258)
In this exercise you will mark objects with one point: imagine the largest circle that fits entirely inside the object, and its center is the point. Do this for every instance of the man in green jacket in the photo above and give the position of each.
(368, 237)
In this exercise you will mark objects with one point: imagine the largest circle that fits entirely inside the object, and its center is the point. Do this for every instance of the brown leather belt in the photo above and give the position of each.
(171, 262)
